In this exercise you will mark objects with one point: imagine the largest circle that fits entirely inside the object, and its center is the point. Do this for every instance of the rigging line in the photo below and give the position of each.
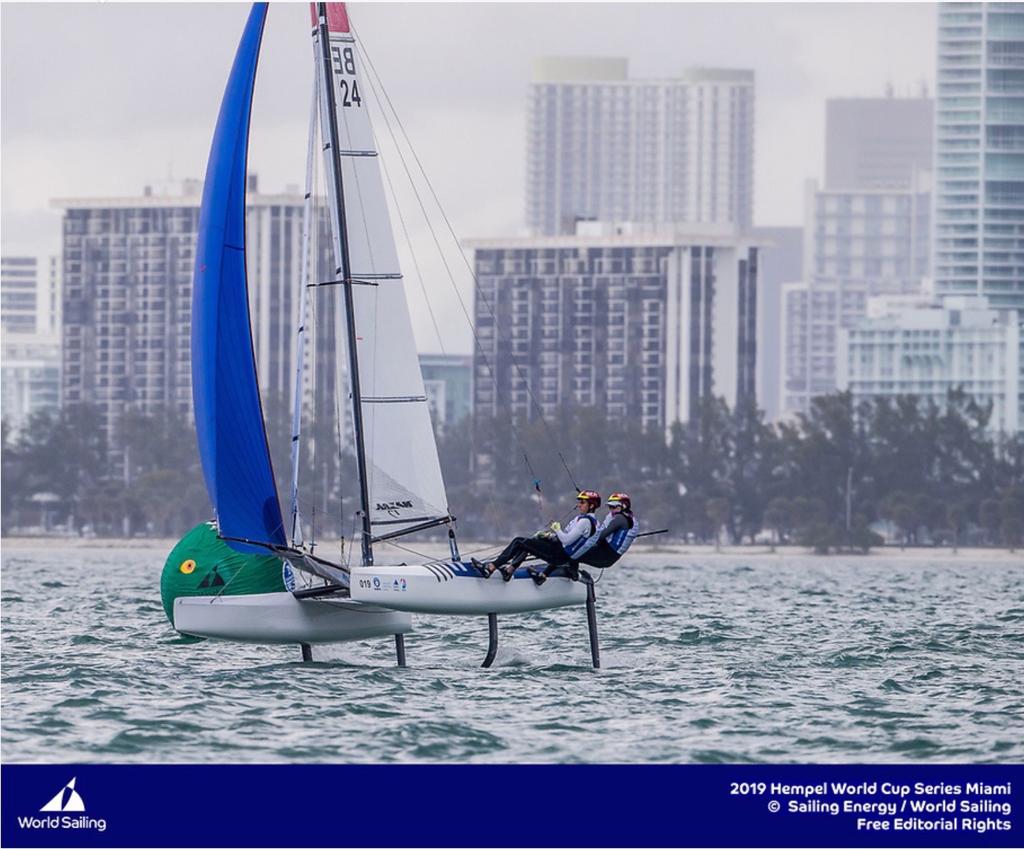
(323, 340)
(351, 536)
(313, 340)
(340, 434)
(300, 340)
(422, 206)
(398, 208)
(536, 485)
(319, 344)
(314, 321)
(451, 230)
(408, 241)
(406, 548)
(568, 472)
(405, 229)
(437, 244)
(327, 342)
(339, 420)
(229, 580)
(430, 561)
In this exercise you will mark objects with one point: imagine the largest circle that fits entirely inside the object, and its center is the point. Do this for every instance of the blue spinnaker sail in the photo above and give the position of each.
(225, 394)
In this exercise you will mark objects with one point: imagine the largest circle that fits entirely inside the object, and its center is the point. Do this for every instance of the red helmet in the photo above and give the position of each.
(620, 499)
(592, 498)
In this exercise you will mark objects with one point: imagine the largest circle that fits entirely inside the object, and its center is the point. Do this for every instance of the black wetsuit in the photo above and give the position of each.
(546, 548)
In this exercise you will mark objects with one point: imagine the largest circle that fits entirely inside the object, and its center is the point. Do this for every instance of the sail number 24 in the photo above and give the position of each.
(344, 62)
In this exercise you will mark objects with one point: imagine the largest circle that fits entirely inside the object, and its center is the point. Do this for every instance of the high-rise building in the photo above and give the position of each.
(781, 261)
(866, 233)
(979, 198)
(858, 244)
(641, 326)
(31, 376)
(448, 382)
(602, 146)
(127, 268)
(19, 294)
(30, 294)
(926, 347)
(877, 142)
(30, 346)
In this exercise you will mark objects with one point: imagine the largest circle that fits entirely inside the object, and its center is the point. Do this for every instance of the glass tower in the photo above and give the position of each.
(979, 197)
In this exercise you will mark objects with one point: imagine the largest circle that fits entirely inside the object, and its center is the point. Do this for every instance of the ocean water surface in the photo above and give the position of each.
(706, 658)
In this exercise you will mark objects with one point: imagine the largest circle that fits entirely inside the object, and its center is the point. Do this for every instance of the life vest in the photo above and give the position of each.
(578, 543)
(623, 538)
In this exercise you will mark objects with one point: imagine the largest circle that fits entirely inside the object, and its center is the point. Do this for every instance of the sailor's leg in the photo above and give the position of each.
(548, 550)
(518, 551)
(517, 561)
(492, 640)
(511, 550)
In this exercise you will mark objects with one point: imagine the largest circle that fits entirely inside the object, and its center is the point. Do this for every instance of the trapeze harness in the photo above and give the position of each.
(613, 539)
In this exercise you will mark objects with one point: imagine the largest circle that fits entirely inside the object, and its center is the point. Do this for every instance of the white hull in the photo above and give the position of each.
(459, 589)
(282, 618)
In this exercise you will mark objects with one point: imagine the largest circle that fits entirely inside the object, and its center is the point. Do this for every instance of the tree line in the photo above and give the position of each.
(62, 473)
(934, 473)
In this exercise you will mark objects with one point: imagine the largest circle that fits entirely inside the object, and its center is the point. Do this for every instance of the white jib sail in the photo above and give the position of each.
(404, 474)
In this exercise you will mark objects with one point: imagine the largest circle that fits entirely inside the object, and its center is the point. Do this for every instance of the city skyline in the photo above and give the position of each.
(472, 135)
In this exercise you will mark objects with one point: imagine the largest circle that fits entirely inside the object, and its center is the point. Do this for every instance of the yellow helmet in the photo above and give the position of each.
(620, 499)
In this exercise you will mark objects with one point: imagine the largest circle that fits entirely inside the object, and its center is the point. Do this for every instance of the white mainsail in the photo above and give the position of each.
(403, 472)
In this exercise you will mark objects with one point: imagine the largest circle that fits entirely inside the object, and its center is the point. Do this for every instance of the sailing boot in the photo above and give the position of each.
(486, 569)
(509, 569)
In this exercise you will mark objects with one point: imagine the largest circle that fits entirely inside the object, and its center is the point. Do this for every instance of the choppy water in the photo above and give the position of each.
(706, 659)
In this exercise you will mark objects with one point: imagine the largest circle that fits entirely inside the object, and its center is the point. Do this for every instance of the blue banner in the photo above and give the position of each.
(543, 805)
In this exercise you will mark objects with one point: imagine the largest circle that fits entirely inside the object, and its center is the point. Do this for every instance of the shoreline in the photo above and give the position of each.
(440, 549)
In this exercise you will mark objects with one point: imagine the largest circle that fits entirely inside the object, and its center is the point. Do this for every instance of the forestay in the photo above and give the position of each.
(404, 475)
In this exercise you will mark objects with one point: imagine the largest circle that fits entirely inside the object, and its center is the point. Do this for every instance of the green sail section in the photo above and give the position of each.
(202, 564)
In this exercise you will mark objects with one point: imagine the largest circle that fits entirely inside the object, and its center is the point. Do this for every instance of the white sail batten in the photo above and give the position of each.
(403, 471)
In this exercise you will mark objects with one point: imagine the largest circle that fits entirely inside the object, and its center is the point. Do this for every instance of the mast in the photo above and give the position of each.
(331, 124)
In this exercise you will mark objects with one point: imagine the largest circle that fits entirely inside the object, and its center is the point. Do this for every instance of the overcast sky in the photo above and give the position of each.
(99, 100)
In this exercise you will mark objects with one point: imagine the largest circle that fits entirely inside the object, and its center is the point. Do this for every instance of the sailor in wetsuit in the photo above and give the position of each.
(555, 546)
(613, 538)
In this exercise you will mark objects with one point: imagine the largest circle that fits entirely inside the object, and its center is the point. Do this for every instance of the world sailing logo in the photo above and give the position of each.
(67, 799)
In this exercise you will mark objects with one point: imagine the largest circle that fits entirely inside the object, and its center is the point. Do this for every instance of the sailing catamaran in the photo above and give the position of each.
(401, 489)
